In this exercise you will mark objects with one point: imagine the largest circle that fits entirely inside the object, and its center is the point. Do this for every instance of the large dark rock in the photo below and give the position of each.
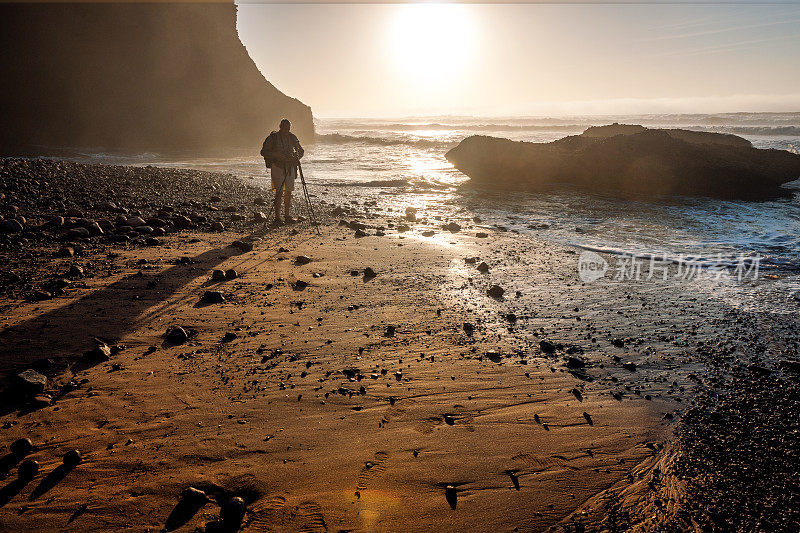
(30, 382)
(134, 77)
(631, 160)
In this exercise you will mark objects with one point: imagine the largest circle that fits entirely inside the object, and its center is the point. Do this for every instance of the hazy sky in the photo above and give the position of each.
(535, 59)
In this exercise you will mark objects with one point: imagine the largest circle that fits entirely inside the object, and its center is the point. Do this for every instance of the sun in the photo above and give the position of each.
(432, 42)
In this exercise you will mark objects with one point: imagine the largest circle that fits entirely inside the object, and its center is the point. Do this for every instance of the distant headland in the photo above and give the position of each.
(133, 77)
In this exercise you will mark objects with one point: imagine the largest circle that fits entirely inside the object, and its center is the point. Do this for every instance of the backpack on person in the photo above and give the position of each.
(267, 148)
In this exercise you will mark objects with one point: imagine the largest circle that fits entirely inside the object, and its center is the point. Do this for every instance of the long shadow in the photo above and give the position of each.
(49, 481)
(65, 333)
(7, 463)
(183, 512)
(8, 492)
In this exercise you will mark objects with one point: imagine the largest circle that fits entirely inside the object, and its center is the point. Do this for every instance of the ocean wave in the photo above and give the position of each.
(787, 131)
(372, 183)
(494, 126)
(339, 138)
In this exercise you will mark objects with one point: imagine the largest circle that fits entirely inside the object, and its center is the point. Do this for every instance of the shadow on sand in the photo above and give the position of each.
(65, 333)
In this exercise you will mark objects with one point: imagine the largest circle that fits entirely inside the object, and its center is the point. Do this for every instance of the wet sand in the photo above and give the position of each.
(349, 402)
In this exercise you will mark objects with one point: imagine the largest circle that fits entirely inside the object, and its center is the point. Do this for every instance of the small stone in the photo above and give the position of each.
(75, 271)
(302, 260)
(177, 335)
(231, 274)
(469, 329)
(55, 222)
(452, 227)
(547, 346)
(78, 233)
(228, 337)
(10, 226)
(244, 246)
(21, 447)
(99, 354)
(28, 469)
(619, 343)
(575, 362)
(217, 275)
(232, 513)
(39, 295)
(630, 366)
(369, 273)
(72, 459)
(360, 233)
(483, 268)
(495, 291)
(194, 495)
(213, 297)
(481, 235)
(41, 401)
(451, 495)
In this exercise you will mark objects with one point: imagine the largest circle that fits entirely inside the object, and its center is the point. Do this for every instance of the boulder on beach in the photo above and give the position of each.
(30, 382)
(631, 160)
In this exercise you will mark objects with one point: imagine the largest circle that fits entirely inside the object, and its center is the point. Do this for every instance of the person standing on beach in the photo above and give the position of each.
(282, 153)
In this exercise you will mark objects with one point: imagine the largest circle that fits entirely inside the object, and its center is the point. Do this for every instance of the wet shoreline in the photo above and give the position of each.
(589, 394)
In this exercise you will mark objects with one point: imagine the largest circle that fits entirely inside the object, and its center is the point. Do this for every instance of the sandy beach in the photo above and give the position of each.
(333, 400)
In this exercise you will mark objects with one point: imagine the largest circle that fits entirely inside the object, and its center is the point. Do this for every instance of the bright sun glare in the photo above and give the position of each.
(432, 42)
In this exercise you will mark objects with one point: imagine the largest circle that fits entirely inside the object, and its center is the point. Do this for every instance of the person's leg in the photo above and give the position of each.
(277, 205)
(287, 198)
(278, 183)
(287, 202)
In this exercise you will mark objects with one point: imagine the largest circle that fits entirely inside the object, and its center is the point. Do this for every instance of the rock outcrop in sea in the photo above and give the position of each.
(631, 160)
(158, 77)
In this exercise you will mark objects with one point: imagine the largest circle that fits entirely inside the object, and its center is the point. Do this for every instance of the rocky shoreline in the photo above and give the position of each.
(315, 382)
(74, 209)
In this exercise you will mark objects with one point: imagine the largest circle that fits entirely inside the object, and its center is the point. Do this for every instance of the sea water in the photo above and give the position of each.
(393, 164)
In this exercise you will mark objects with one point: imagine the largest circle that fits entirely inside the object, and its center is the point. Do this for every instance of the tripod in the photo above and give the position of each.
(309, 206)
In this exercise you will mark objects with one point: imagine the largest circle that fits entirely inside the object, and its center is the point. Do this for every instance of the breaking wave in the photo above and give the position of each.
(372, 183)
(788, 131)
(339, 138)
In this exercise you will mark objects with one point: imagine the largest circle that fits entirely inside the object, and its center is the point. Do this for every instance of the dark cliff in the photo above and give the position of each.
(134, 77)
(631, 160)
